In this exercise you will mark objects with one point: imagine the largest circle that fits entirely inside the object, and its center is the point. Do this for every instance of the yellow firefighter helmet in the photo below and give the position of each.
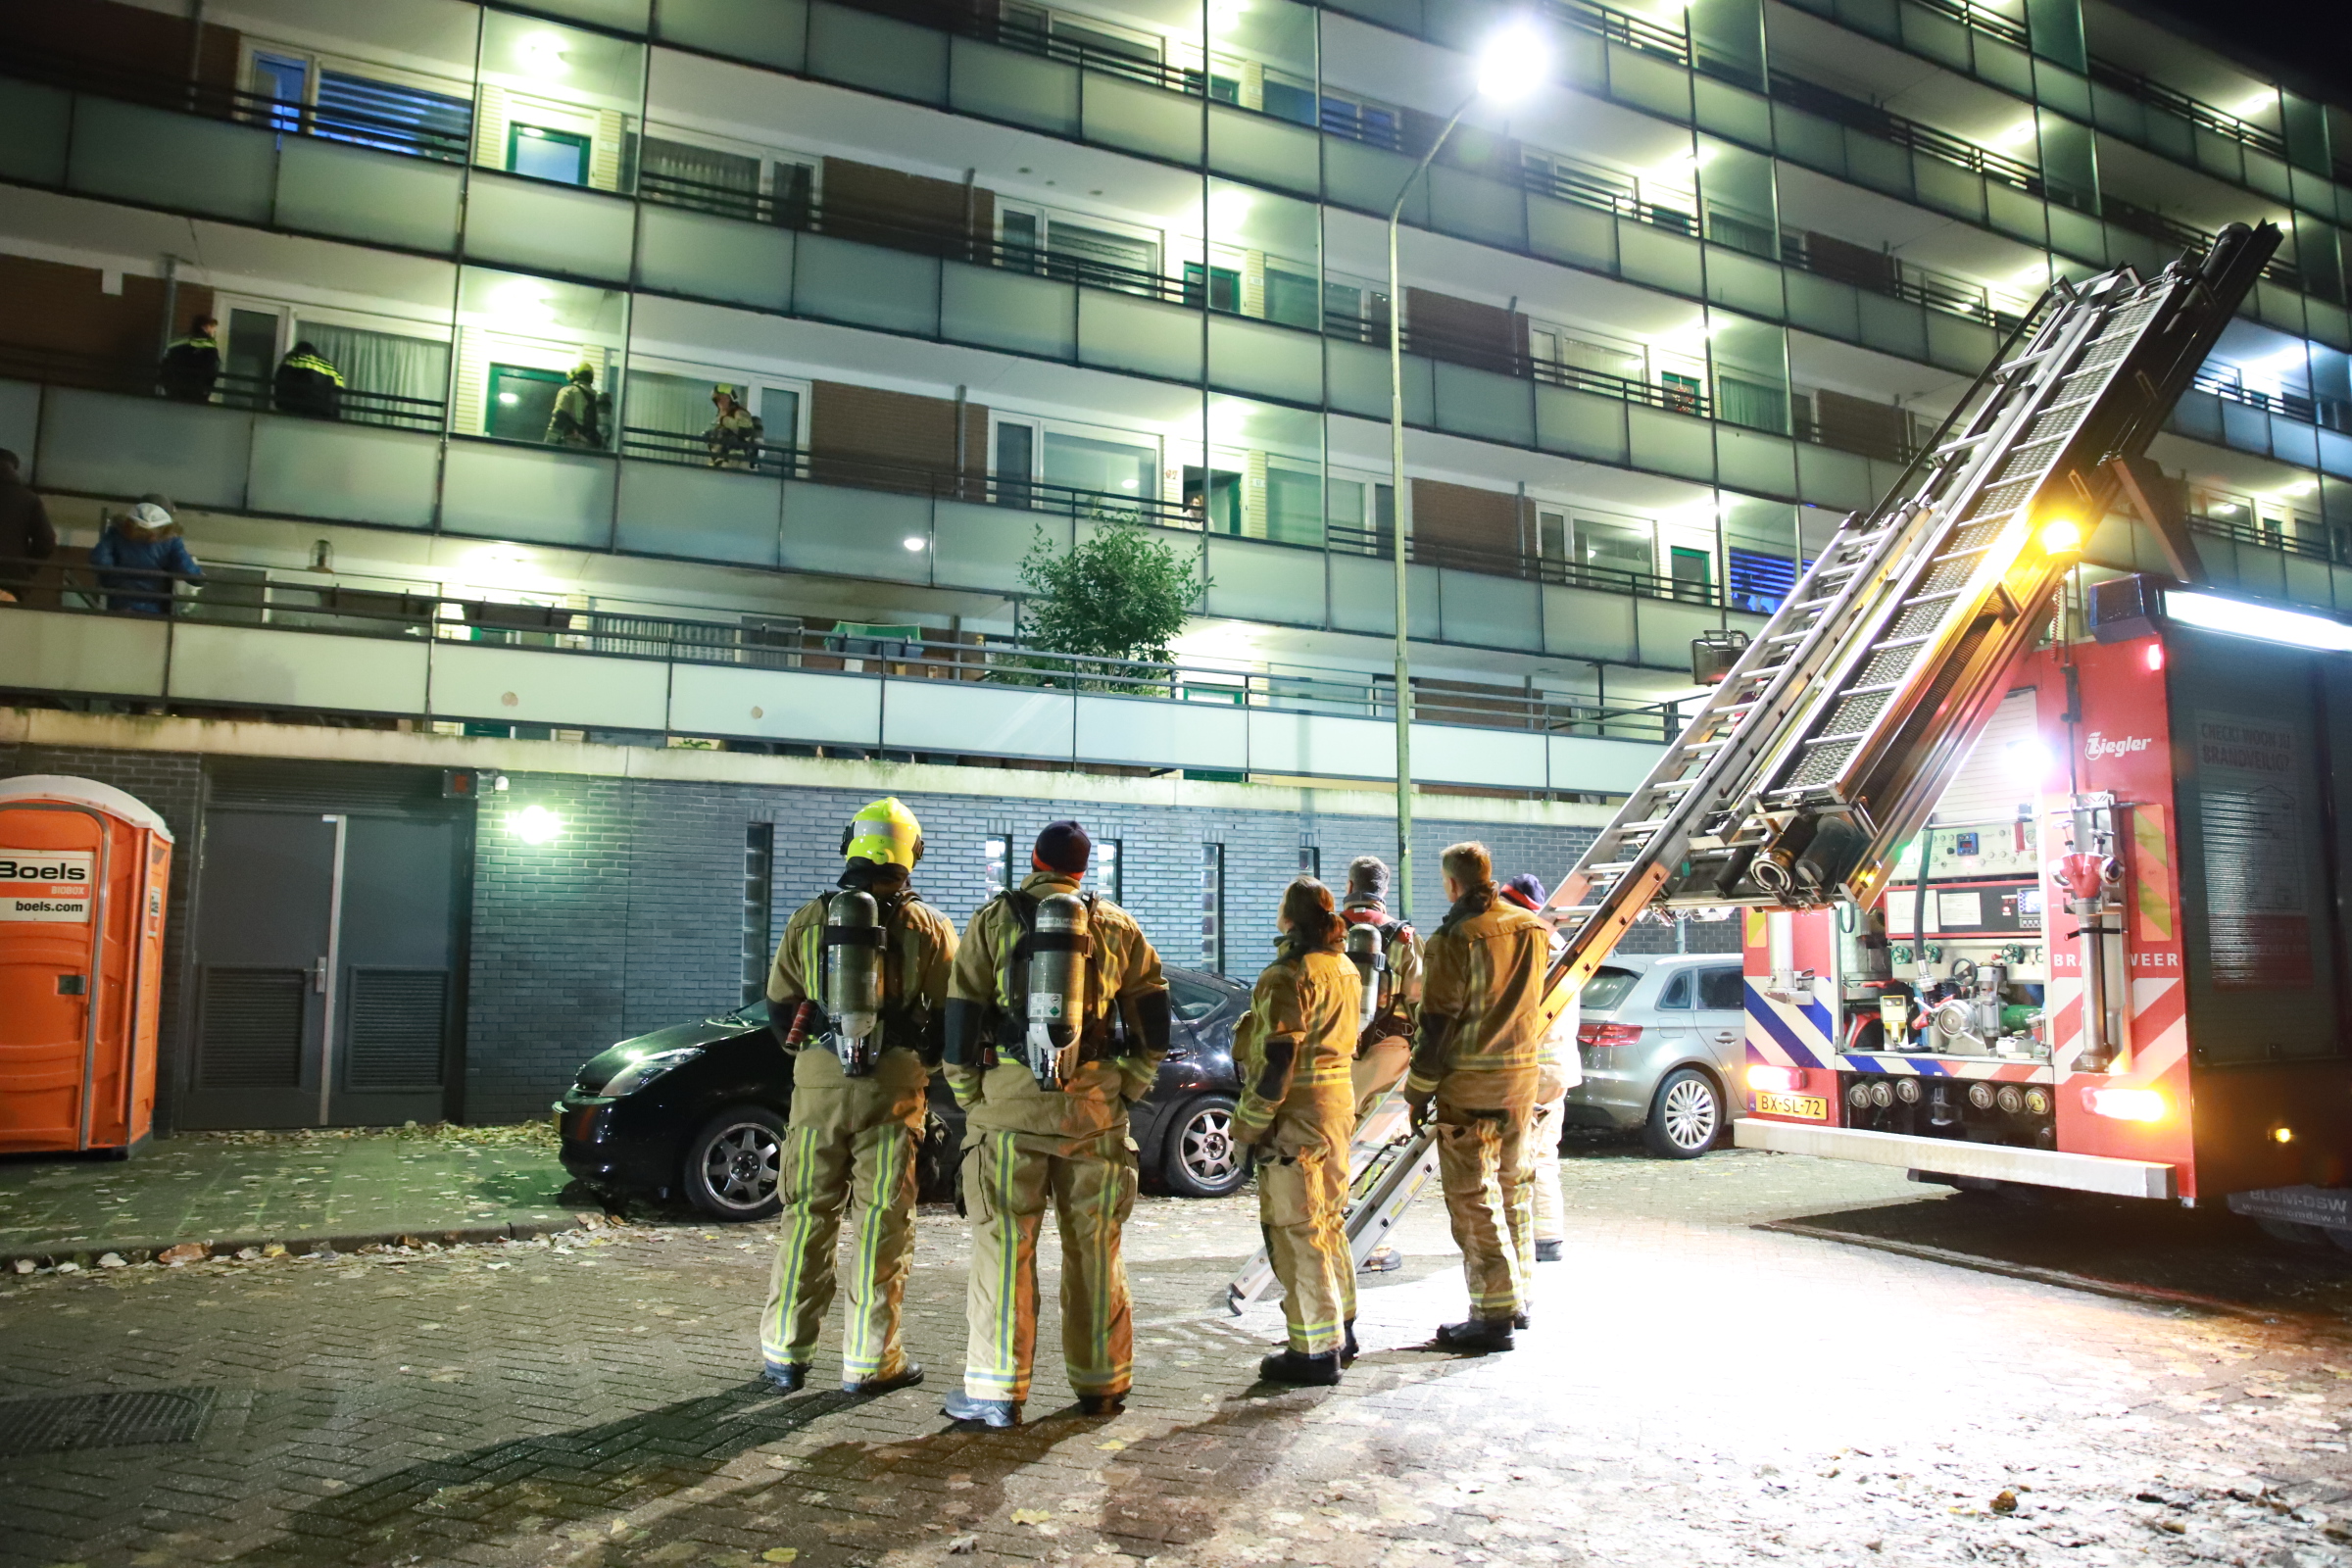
(884, 832)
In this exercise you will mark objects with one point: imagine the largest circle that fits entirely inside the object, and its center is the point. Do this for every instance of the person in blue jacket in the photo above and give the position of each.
(146, 540)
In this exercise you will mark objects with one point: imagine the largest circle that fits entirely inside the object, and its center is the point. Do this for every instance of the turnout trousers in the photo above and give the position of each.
(1381, 1068)
(849, 1147)
(1481, 1130)
(1008, 1180)
(1303, 1208)
(1544, 1166)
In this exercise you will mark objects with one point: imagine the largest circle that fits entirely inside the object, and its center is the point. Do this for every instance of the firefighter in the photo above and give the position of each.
(1058, 1018)
(1558, 1072)
(192, 365)
(575, 420)
(1384, 1049)
(1298, 1109)
(857, 997)
(307, 384)
(1473, 1078)
(735, 431)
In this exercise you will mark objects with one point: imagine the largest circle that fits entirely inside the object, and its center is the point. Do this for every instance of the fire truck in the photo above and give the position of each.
(2037, 868)
(2037, 871)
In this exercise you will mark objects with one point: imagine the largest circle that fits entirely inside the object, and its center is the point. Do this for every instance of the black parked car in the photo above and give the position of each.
(699, 1108)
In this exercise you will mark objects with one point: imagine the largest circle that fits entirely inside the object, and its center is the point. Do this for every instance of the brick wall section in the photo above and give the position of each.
(629, 920)
(172, 784)
(50, 305)
(894, 429)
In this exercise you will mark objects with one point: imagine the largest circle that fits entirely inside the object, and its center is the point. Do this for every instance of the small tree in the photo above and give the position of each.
(1119, 594)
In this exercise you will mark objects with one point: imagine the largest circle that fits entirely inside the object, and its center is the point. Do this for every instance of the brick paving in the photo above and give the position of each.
(282, 1187)
(1697, 1391)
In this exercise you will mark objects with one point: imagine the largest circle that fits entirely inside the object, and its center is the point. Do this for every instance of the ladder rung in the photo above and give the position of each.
(1834, 740)
(1899, 642)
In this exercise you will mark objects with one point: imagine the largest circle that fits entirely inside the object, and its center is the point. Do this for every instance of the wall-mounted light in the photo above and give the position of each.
(535, 824)
(913, 541)
(541, 54)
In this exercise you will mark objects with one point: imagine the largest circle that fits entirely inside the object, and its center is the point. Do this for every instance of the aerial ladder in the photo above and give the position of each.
(1826, 744)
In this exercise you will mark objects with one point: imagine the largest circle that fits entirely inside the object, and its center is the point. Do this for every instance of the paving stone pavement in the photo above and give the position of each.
(1696, 1390)
(205, 1186)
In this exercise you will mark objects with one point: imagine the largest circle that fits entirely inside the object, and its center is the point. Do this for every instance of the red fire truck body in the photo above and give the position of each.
(2138, 982)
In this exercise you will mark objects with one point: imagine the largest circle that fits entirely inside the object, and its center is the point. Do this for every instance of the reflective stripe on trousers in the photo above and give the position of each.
(1009, 1179)
(1482, 1164)
(849, 1141)
(1302, 1207)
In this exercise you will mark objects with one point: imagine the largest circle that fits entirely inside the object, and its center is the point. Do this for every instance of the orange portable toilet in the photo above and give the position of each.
(83, 868)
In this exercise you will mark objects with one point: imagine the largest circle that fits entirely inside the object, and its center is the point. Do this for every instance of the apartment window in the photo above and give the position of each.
(759, 907)
(1359, 120)
(1614, 546)
(1349, 310)
(1757, 580)
(1681, 391)
(1345, 508)
(522, 401)
(544, 154)
(1112, 469)
(1551, 535)
(1310, 861)
(1224, 288)
(1294, 299)
(1294, 101)
(1106, 864)
(996, 860)
(1693, 571)
(1104, 256)
(1015, 462)
(1212, 498)
(1212, 907)
(285, 80)
(1752, 404)
(392, 117)
(700, 177)
(1294, 506)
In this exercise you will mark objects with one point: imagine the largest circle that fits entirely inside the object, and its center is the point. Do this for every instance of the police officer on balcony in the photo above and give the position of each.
(308, 383)
(192, 364)
(856, 996)
(1058, 1018)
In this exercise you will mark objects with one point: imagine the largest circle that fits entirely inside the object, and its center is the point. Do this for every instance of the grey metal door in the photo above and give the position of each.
(397, 952)
(264, 968)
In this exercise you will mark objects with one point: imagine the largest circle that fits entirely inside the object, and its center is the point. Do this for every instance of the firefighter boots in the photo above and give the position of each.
(868, 1387)
(1307, 1371)
(1477, 1334)
(961, 1407)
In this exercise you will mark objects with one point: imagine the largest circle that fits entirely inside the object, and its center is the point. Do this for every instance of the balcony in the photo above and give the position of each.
(383, 650)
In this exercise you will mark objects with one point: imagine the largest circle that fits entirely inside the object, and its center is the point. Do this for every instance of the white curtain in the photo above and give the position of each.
(383, 363)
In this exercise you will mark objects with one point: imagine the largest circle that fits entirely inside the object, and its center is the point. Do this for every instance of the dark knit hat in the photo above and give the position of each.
(1531, 887)
(1063, 847)
(1368, 877)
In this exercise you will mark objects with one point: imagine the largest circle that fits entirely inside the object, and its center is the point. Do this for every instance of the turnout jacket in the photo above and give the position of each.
(1298, 1038)
(994, 1084)
(1484, 978)
(1402, 948)
(918, 955)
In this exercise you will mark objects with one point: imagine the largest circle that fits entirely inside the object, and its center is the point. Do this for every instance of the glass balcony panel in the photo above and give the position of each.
(2335, 457)
(1272, 361)
(1734, 112)
(2119, 112)
(1121, 333)
(1008, 311)
(2015, 212)
(1949, 189)
(842, 280)
(1808, 139)
(769, 32)
(782, 705)
(120, 656)
(32, 133)
(1264, 150)
(2061, 89)
(1364, 596)
(621, 16)
(1959, 345)
(1938, 36)
(2005, 64)
(1580, 236)
(1486, 405)
(699, 514)
(856, 534)
(2293, 441)
(1754, 461)
(1670, 443)
(1893, 326)
(1877, 18)
(1112, 729)
(1009, 85)
(548, 227)
(2282, 307)
(879, 53)
(1358, 377)
(2269, 176)
(1252, 580)
(964, 716)
(1650, 84)
(1880, 165)
(548, 498)
(299, 670)
(325, 187)
(2198, 415)
(2078, 234)
(2220, 155)
(1119, 113)
(1826, 478)
(1581, 623)
(714, 257)
(173, 161)
(1743, 283)
(518, 685)
(1474, 207)
(1368, 178)
(1489, 611)
(1648, 255)
(980, 547)
(2171, 135)
(101, 443)
(2308, 582)
(348, 472)
(1824, 306)
(1581, 424)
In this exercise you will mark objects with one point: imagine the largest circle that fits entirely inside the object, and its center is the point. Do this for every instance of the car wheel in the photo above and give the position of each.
(1199, 1158)
(1686, 1116)
(731, 1163)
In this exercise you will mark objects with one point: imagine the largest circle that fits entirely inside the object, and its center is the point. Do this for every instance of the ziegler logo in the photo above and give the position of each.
(2097, 745)
(13, 870)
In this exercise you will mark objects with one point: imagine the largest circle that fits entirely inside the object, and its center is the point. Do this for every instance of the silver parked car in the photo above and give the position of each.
(1663, 1042)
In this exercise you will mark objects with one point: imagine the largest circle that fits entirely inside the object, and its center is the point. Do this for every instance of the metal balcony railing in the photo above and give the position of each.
(375, 609)
(1425, 551)
(2332, 413)
(246, 392)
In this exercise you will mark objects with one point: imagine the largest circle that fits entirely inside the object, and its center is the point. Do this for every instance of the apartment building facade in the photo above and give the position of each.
(989, 276)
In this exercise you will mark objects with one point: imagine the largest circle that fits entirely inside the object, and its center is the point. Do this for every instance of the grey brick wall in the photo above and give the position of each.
(172, 784)
(630, 919)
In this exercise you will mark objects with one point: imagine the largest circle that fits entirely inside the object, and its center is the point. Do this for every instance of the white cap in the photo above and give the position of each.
(147, 514)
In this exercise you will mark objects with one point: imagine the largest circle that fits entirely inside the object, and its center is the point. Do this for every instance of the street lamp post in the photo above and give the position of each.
(1512, 63)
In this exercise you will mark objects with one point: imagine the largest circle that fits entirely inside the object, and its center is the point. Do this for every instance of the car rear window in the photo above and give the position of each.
(1607, 987)
(1721, 990)
(1192, 1000)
